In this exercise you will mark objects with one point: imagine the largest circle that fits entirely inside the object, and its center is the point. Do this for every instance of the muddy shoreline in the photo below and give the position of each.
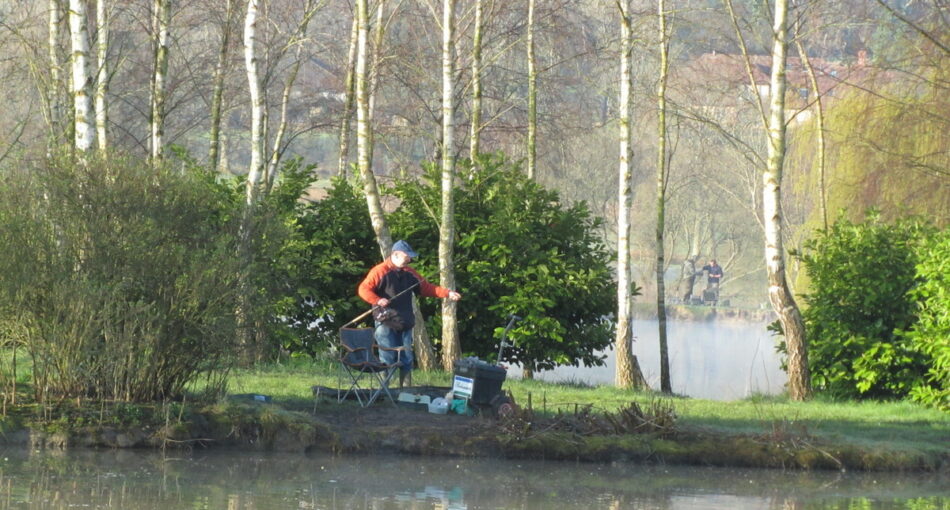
(384, 428)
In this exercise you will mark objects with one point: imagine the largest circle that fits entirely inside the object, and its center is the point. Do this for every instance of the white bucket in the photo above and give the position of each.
(439, 406)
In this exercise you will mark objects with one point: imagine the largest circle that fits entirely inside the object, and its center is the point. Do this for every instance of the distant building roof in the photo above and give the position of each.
(719, 75)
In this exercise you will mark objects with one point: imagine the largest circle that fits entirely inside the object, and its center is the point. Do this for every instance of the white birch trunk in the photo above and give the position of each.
(378, 29)
(348, 98)
(532, 95)
(451, 347)
(55, 78)
(270, 175)
(363, 136)
(217, 93)
(666, 385)
(249, 348)
(225, 163)
(820, 128)
(627, 370)
(374, 75)
(257, 102)
(475, 134)
(162, 13)
(85, 134)
(102, 75)
(783, 302)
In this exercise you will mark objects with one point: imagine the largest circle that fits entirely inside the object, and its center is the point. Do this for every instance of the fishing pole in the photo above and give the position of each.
(367, 312)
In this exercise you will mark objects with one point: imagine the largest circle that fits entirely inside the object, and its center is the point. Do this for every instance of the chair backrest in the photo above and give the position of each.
(358, 346)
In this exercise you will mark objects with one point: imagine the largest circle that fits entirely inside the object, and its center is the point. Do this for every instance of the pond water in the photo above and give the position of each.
(240, 480)
(718, 360)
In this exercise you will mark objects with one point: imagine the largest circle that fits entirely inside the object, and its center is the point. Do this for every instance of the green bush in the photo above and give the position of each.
(931, 334)
(337, 248)
(119, 280)
(857, 306)
(520, 251)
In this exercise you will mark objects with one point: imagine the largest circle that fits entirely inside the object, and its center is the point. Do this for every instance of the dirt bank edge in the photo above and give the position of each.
(386, 429)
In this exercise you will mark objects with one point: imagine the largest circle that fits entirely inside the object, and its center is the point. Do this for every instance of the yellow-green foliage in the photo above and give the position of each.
(885, 149)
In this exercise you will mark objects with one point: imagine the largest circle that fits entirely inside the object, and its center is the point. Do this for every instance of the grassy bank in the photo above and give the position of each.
(570, 422)
(871, 425)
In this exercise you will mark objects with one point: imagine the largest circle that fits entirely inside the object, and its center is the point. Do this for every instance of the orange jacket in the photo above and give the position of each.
(385, 280)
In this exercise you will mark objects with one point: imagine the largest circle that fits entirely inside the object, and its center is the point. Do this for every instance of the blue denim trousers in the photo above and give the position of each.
(387, 337)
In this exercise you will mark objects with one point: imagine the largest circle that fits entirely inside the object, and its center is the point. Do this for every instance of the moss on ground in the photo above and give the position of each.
(341, 428)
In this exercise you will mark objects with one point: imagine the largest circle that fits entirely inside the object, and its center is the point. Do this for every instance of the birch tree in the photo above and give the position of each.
(451, 348)
(780, 296)
(217, 89)
(102, 73)
(532, 94)
(161, 11)
(349, 93)
(476, 122)
(379, 31)
(628, 373)
(85, 134)
(279, 146)
(773, 119)
(820, 129)
(251, 64)
(661, 179)
(819, 123)
(56, 79)
(363, 136)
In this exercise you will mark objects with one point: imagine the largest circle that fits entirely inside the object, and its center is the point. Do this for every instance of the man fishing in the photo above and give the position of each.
(385, 287)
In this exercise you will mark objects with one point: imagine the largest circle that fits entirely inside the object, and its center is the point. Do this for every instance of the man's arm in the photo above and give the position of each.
(367, 288)
(429, 290)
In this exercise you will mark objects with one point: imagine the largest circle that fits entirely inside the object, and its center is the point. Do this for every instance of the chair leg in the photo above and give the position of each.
(384, 379)
(354, 388)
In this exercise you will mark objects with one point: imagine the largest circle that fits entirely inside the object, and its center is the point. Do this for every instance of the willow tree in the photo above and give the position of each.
(451, 347)
(85, 134)
(628, 374)
(780, 296)
(161, 20)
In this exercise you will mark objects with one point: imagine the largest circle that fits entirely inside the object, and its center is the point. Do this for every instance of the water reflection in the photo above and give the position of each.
(234, 480)
(717, 360)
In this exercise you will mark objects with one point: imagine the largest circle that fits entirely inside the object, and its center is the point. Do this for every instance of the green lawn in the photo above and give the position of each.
(868, 424)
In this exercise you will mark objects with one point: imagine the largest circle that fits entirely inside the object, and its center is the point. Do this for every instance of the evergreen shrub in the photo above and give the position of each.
(519, 250)
(859, 304)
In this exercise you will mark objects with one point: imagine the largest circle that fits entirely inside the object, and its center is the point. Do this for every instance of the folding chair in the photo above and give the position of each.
(359, 358)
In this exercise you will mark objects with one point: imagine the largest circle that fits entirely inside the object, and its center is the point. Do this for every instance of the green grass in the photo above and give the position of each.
(868, 424)
(874, 425)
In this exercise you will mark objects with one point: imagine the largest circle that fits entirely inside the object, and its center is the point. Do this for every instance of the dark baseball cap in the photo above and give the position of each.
(404, 247)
